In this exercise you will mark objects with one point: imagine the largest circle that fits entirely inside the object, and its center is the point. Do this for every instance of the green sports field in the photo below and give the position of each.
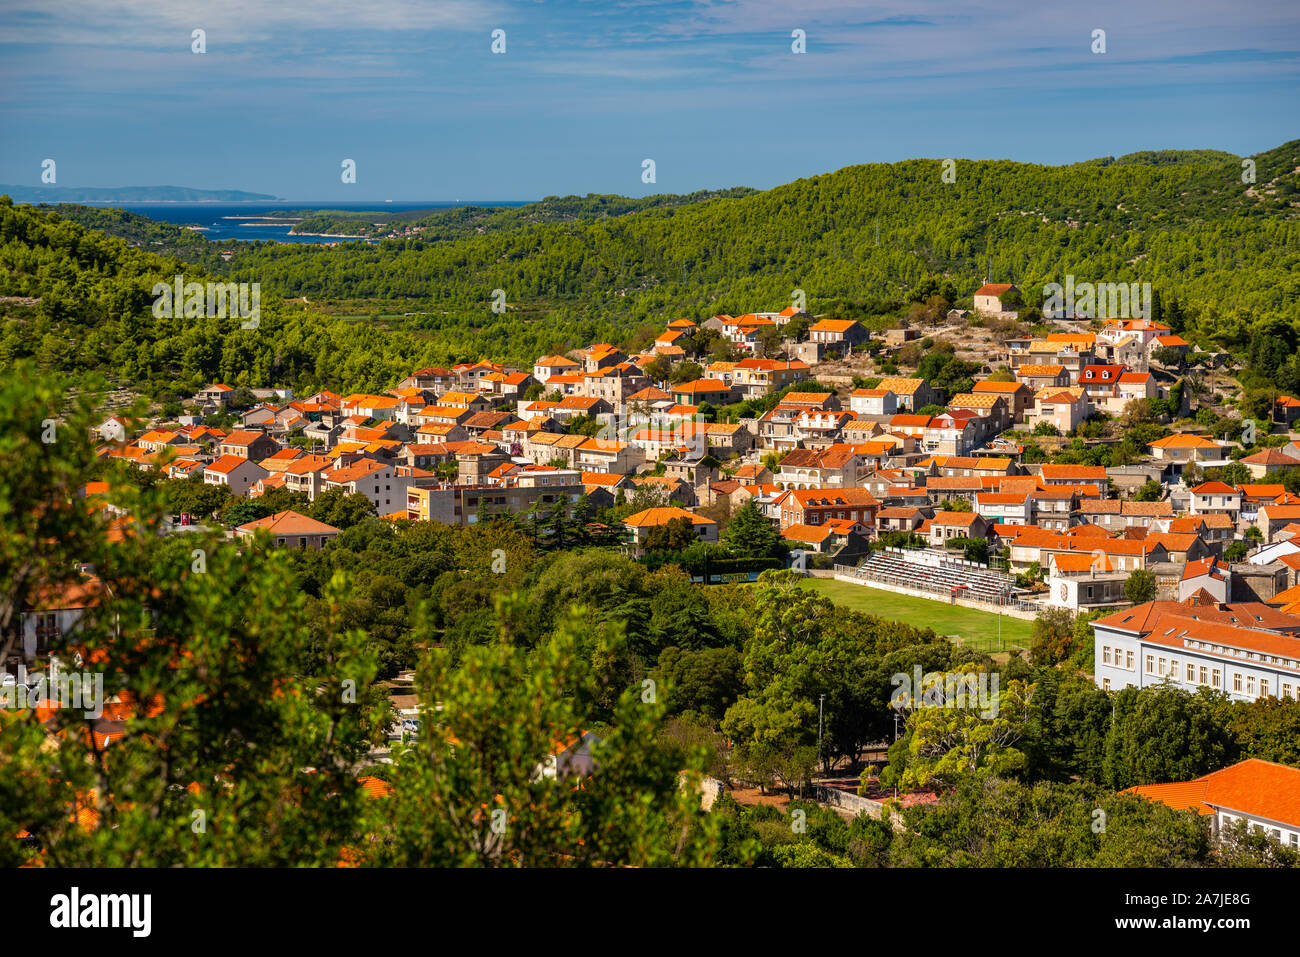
(976, 628)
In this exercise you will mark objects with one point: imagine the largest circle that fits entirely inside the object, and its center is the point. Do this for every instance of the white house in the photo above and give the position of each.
(237, 474)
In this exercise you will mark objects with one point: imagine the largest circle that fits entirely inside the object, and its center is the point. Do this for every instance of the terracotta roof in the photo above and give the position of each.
(900, 386)
(807, 533)
(1214, 488)
(1184, 441)
(289, 523)
(1271, 457)
(227, 464)
(1258, 788)
(942, 517)
(653, 517)
(833, 325)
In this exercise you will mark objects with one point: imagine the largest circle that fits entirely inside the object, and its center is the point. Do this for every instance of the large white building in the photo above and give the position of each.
(1248, 650)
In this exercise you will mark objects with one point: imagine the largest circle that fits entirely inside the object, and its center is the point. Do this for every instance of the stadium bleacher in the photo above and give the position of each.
(936, 572)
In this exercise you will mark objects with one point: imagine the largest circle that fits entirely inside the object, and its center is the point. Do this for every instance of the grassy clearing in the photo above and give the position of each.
(976, 628)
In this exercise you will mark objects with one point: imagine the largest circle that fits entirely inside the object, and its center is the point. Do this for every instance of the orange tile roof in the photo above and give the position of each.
(1184, 441)
(289, 523)
(227, 464)
(1261, 789)
(654, 517)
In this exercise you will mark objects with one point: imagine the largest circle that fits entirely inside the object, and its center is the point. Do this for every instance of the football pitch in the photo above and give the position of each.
(976, 628)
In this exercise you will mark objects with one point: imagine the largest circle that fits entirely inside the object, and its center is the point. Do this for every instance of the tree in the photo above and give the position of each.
(1140, 586)
(777, 714)
(240, 511)
(473, 792)
(704, 682)
(685, 372)
(674, 535)
(1053, 636)
(948, 740)
(1151, 491)
(341, 509)
(769, 339)
(1268, 729)
(750, 534)
(1163, 733)
(220, 718)
(658, 369)
(1168, 356)
(1236, 551)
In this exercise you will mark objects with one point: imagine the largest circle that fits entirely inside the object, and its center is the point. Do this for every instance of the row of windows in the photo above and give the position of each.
(1161, 667)
(1107, 653)
(1276, 833)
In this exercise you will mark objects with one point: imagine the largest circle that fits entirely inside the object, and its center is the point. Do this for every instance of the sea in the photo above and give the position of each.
(221, 221)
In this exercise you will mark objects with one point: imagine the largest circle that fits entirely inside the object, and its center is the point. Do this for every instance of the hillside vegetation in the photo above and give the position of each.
(1185, 222)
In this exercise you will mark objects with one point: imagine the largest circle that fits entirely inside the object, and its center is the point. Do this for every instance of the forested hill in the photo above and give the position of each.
(447, 224)
(1230, 251)
(1192, 229)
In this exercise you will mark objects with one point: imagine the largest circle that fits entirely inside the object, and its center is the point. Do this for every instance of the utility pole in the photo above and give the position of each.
(821, 701)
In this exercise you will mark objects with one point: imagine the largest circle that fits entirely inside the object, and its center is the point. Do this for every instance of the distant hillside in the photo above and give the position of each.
(1192, 229)
(576, 270)
(1175, 158)
(128, 194)
(445, 224)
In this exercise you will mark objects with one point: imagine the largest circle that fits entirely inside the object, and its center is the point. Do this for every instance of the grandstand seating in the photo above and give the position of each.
(909, 570)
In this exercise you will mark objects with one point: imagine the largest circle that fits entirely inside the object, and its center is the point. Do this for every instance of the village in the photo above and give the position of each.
(890, 484)
(884, 481)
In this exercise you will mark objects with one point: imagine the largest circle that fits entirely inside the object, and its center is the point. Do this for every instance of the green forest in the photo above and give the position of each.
(360, 315)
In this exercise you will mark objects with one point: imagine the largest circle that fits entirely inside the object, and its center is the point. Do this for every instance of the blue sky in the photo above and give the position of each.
(587, 89)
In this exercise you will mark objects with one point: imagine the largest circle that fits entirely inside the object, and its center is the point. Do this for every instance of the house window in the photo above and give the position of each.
(1250, 685)
(1151, 664)
(1263, 687)
(1105, 684)
(1128, 660)
(1236, 682)
(1105, 654)
(1286, 690)
(1162, 667)
(1204, 676)
(46, 629)
(1217, 678)
(1191, 674)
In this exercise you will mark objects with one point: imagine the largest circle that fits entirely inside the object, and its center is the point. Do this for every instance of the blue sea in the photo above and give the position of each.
(220, 221)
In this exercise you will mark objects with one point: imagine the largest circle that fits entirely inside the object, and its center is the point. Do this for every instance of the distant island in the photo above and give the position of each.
(129, 194)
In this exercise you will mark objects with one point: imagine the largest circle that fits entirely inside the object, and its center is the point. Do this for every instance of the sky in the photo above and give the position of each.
(587, 90)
